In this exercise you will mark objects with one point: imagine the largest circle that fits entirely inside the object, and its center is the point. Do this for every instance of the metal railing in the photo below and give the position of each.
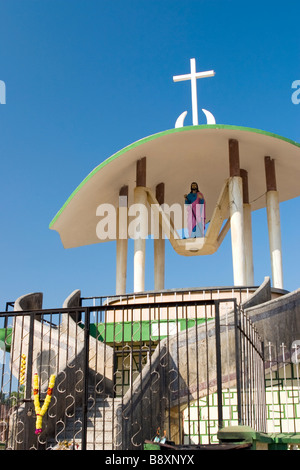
(124, 370)
(241, 294)
(251, 386)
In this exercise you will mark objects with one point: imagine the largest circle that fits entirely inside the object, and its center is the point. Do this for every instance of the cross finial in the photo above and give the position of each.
(193, 77)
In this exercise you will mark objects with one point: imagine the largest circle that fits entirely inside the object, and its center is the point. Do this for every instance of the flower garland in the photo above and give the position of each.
(22, 369)
(38, 410)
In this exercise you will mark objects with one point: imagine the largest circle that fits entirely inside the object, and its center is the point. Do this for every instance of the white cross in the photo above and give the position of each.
(193, 77)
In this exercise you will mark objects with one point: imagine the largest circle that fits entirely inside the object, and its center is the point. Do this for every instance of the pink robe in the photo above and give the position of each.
(196, 214)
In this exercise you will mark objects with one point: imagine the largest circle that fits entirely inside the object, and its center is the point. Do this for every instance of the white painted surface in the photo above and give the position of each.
(273, 216)
(237, 230)
(193, 76)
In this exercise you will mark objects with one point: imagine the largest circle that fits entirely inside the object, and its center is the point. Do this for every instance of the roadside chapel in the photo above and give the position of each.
(142, 184)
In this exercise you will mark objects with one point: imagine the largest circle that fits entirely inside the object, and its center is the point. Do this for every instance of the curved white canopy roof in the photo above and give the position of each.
(177, 157)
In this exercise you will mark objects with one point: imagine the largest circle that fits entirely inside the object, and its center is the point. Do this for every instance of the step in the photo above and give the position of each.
(101, 421)
(89, 446)
(101, 407)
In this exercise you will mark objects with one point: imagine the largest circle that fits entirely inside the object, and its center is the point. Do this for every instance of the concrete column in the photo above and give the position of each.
(140, 197)
(247, 231)
(273, 216)
(159, 246)
(122, 241)
(236, 215)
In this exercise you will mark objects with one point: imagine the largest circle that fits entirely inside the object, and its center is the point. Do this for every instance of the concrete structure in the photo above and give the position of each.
(274, 313)
(51, 349)
(277, 321)
(239, 170)
(138, 193)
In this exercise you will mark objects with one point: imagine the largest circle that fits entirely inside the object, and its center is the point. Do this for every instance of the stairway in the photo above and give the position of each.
(102, 427)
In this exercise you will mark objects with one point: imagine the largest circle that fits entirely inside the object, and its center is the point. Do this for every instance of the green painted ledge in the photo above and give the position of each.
(6, 337)
(243, 434)
(141, 331)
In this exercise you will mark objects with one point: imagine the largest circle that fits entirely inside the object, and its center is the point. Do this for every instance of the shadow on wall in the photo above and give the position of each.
(58, 349)
(176, 376)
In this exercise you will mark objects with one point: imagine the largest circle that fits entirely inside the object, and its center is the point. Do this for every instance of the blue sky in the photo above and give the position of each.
(85, 78)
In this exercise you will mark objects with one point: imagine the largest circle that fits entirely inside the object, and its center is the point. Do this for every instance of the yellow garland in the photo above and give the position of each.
(36, 400)
(22, 369)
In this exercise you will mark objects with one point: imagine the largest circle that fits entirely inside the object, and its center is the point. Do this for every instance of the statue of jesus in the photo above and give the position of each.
(196, 211)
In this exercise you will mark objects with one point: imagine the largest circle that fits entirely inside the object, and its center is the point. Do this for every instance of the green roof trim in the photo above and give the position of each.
(6, 338)
(158, 135)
